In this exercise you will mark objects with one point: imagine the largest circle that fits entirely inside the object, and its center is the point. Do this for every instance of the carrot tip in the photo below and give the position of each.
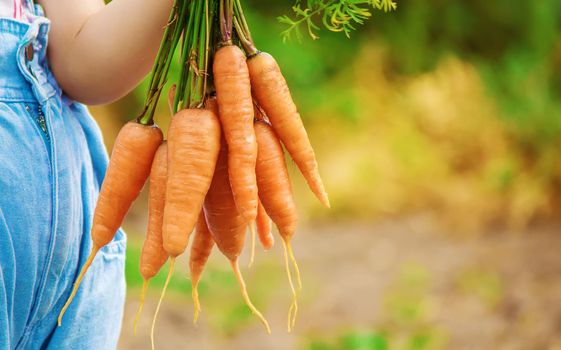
(141, 305)
(324, 199)
(272, 238)
(245, 295)
(83, 271)
(252, 254)
(171, 264)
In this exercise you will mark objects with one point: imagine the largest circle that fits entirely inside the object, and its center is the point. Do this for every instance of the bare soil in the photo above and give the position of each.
(492, 291)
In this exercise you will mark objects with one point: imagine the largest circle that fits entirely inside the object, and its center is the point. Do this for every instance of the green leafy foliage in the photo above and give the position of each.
(336, 16)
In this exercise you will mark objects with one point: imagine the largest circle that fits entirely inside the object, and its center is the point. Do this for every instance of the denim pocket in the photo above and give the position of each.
(117, 246)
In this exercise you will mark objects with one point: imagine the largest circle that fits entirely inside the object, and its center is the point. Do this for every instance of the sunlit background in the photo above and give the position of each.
(438, 132)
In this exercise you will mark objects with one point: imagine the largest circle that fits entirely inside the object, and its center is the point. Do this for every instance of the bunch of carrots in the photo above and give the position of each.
(222, 169)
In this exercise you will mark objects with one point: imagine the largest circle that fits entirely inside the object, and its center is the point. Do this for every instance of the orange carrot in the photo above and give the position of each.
(212, 104)
(226, 224)
(275, 192)
(193, 146)
(224, 221)
(231, 79)
(263, 222)
(252, 247)
(200, 250)
(128, 169)
(153, 255)
(270, 90)
(264, 228)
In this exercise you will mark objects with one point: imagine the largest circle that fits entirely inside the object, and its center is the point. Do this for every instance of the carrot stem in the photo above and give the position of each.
(144, 118)
(206, 46)
(163, 62)
(171, 264)
(179, 96)
(87, 264)
(245, 296)
(192, 54)
(141, 305)
(242, 29)
(194, 57)
(201, 73)
(247, 45)
(226, 16)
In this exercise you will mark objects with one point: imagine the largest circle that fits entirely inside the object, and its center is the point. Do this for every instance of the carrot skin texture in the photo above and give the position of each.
(153, 255)
(200, 251)
(275, 193)
(126, 174)
(231, 79)
(193, 146)
(225, 223)
(275, 190)
(264, 228)
(270, 90)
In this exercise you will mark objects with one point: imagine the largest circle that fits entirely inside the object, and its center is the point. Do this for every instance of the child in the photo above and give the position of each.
(52, 162)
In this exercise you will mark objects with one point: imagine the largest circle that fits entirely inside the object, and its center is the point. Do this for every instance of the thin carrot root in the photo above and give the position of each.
(196, 302)
(295, 265)
(290, 316)
(245, 296)
(141, 305)
(294, 306)
(252, 255)
(298, 280)
(171, 264)
(83, 271)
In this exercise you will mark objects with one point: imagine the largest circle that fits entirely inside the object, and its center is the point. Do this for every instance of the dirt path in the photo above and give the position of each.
(501, 291)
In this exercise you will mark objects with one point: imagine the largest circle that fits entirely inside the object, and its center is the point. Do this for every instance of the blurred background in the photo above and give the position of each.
(438, 132)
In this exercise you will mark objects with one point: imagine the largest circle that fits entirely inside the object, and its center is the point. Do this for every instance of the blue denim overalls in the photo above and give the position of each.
(52, 161)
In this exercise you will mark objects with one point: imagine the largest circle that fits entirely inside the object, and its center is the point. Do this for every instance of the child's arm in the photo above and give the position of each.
(98, 52)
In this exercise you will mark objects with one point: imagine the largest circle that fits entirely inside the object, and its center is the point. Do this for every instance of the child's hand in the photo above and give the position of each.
(97, 52)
